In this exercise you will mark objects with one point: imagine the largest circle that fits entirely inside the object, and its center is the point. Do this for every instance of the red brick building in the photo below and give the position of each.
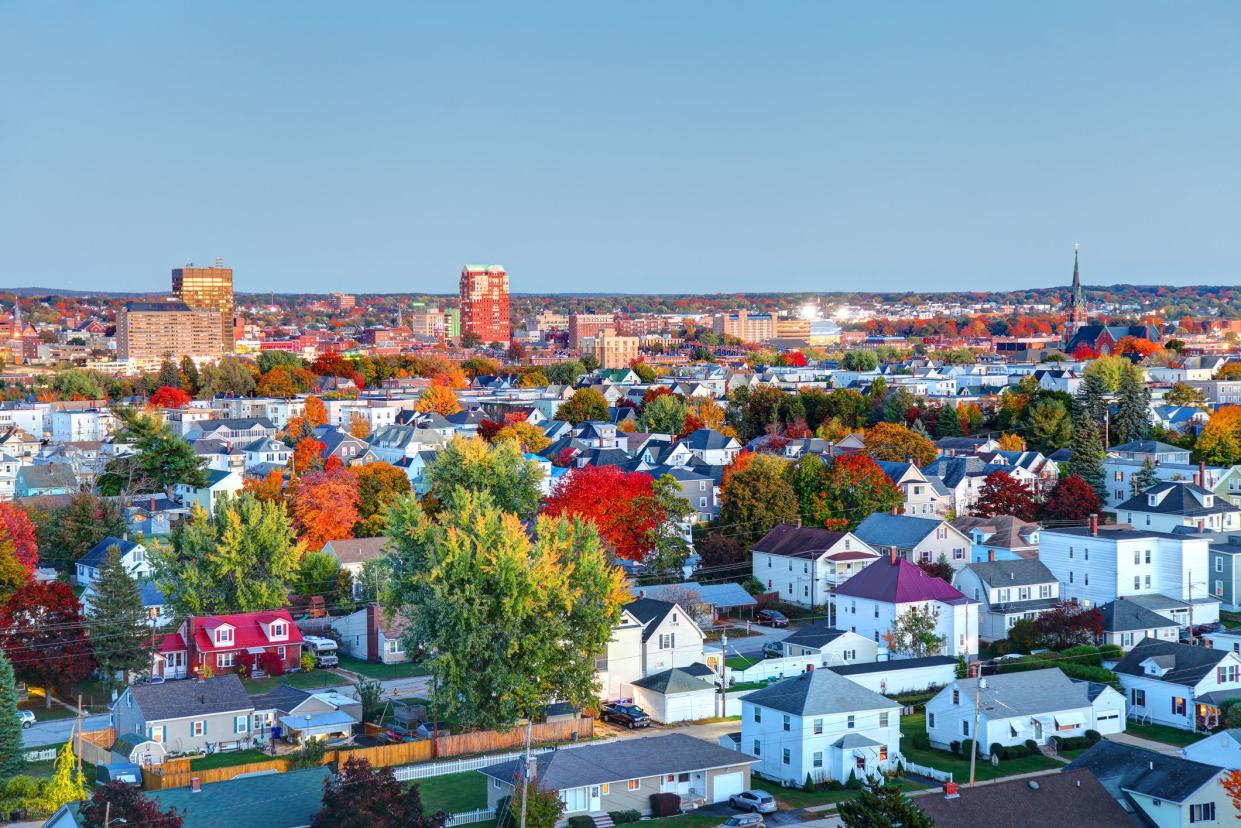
(224, 642)
(484, 302)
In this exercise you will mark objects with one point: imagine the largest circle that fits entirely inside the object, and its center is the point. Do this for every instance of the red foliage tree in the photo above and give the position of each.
(1084, 351)
(1002, 494)
(1071, 499)
(119, 803)
(168, 397)
(793, 359)
(271, 664)
(17, 533)
(325, 507)
(488, 429)
(1068, 624)
(655, 393)
(43, 633)
(616, 501)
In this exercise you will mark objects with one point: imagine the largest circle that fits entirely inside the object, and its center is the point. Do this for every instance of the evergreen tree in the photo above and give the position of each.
(189, 375)
(948, 424)
(920, 429)
(168, 374)
(68, 784)
(10, 726)
(1087, 448)
(882, 805)
(1092, 397)
(1144, 477)
(1132, 421)
(118, 621)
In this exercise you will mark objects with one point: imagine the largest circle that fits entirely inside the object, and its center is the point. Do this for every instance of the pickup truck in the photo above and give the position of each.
(629, 715)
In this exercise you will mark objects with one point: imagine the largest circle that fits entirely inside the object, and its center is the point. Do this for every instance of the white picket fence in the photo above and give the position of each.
(406, 773)
(930, 773)
(773, 668)
(476, 815)
(40, 755)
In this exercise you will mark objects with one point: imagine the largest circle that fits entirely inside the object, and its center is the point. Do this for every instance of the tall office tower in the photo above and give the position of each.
(148, 332)
(208, 288)
(484, 302)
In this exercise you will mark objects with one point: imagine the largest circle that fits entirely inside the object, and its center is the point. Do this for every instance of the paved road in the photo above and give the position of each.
(56, 731)
(752, 645)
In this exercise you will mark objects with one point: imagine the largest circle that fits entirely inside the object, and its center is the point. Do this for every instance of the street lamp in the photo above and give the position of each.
(153, 613)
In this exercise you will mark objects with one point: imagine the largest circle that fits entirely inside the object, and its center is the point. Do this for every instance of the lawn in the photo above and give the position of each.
(959, 766)
(95, 696)
(229, 759)
(313, 680)
(1072, 754)
(453, 792)
(740, 662)
(790, 798)
(383, 672)
(682, 821)
(43, 714)
(1163, 733)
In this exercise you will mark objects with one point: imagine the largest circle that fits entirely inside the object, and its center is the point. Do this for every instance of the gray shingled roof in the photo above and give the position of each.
(182, 699)
(815, 636)
(1188, 664)
(1027, 693)
(1058, 800)
(1125, 768)
(818, 692)
(891, 665)
(622, 759)
(671, 682)
(1122, 615)
(1015, 573)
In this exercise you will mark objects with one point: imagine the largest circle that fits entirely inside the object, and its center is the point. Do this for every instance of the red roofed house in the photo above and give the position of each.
(870, 602)
(224, 642)
(804, 563)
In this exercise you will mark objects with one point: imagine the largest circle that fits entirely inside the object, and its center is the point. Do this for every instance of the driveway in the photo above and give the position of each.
(56, 731)
(752, 645)
(723, 810)
(1149, 744)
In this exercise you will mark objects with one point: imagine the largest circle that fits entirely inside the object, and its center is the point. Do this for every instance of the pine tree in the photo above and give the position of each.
(1087, 448)
(118, 621)
(948, 424)
(68, 784)
(1132, 420)
(189, 375)
(168, 374)
(1092, 397)
(1144, 477)
(882, 805)
(10, 726)
(919, 428)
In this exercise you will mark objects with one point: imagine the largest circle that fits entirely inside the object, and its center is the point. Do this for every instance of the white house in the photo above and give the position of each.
(870, 602)
(1179, 685)
(804, 563)
(1013, 708)
(676, 695)
(1007, 591)
(1118, 473)
(1159, 789)
(712, 447)
(821, 725)
(133, 557)
(1223, 750)
(81, 425)
(832, 645)
(1127, 623)
(267, 451)
(219, 484)
(1168, 505)
(916, 539)
(652, 636)
(901, 675)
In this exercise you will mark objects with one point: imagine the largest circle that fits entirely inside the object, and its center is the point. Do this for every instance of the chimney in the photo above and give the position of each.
(809, 668)
(1094, 524)
(1202, 474)
(896, 510)
(892, 556)
(991, 555)
(372, 632)
(196, 784)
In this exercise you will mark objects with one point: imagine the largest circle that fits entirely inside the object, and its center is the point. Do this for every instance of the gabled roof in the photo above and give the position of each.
(787, 540)
(285, 697)
(649, 613)
(182, 699)
(1026, 694)
(247, 632)
(1020, 572)
(357, 550)
(708, 439)
(899, 583)
(1120, 768)
(1148, 447)
(1188, 664)
(1123, 615)
(98, 553)
(815, 636)
(671, 682)
(1176, 498)
(818, 692)
(901, 531)
(1058, 800)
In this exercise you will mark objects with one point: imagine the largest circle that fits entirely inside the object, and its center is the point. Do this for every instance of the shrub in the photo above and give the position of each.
(967, 745)
(1093, 736)
(1084, 654)
(308, 662)
(854, 783)
(581, 822)
(834, 785)
(955, 747)
(621, 817)
(271, 664)
(808, 785)
(1032, 747)
(310, 756)
(921, 741)
(1111, 652)
(665, 804)
(998, 749)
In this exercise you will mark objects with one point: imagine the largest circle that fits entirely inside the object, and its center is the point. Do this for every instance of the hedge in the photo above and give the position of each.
(621, 817)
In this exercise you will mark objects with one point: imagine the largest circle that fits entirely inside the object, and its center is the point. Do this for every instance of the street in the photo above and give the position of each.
(56, 731)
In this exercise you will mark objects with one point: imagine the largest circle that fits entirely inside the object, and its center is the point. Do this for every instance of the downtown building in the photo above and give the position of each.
(149, 332)
(485, 303)
(208, 288)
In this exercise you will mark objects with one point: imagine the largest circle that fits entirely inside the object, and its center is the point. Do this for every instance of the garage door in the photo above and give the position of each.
(1108, 722)
(727, 784)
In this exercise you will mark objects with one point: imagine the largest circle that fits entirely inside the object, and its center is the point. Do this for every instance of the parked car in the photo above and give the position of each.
(756, 802)
(743, 821)
(629, 715)
(26, 717)
(773, 649)
(772, 618)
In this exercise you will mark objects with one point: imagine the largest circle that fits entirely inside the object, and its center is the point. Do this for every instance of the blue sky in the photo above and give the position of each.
(644, 147)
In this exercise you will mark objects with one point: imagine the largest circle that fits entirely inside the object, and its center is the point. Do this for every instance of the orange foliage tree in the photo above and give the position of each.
(1232, 784)
(270, 489)
(438, 399)
(308, 455)
(325, 507)
(1011, 442)
(359, 426)
(451, 378)
(315, 413)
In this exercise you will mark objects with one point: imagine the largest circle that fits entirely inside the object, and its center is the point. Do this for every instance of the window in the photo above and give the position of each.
(279, 630)
(224, 659)
(1202, 813)
(1118, 476)
(883, 719)
(1044, 591)
(224, 635)
(156, 733)
(198, 727)
(758, 748)
(817, 759)
(1178, 706)
(852, 720)
(785, 755)
(1137, 581)
(634, 784)
(496, 783)
(965, 728)
(786, 722)
(956, 696)
(930, 720)
(394, 646)
(1219, 587)
(667, 641)
(241, 724)
(850, 655)
(958, 554)
(574, 799)
(1070, 576)
(1023, 594)
(860, 762)
(1148, 581)
(876, 610)
(818, 727)
(259, 722)
(605, 787)
(883, 753)
(758, 714)
(1219, 564)
(1148, 556)
(280, 651)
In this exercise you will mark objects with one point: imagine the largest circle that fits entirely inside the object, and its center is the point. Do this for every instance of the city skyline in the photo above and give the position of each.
(964, 146)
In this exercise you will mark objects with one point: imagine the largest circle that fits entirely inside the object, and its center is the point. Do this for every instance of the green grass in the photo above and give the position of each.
(453, 792)
(790, 798)
(44, 714)
(959, 766)
(229, 759)
(1163, 733)
(383, 672)
(1072, 754)
(682, 821)
(740, 662)
(314, 680)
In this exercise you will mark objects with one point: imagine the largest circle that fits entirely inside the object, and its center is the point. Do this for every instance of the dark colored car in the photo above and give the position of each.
(773, 649)
(772, 618)
(629, 715)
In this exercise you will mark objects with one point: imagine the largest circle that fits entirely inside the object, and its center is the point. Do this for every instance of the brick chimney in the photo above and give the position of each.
(1202, 475)
(892, 556)
(1094, 524)
(991, 555)
(896, 510)
(372, 633)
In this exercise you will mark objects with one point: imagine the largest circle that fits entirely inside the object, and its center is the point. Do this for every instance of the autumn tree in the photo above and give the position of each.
(360, 796)
(1183, 394)
(325, 507)
(611, 499)
(1230, 371)
(438, 399)
(756, 496)
(530, 437)
(1011, 442)
(501, 470)
(890, 441)
(451, 377)
(1002, 494)
(842, 491)
(1220, 441)
(1068, 624)
(359, 426)
(168, 396)
(19, 550)
(914, 634)
(308, 456)
(705, 412)
(584, 405)
(533, 379)
(120, 803)
(379, 485)
(43, 633)
(1070, 499)
(269, 489)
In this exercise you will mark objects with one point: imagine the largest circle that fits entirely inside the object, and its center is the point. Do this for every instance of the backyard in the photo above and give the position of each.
(959, 766)
(312, 680)
(791, 798)
(453, 792)
(383, 672)
(1163, 733)
(229, 759)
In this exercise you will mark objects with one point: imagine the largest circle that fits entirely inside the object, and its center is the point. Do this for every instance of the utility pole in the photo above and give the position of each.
(527, 769)
(723, 674)
(978, 688)
(1190, 577)
(79, 750)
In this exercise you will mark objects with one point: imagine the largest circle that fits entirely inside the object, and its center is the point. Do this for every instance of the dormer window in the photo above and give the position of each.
(1152, 500)
(224, 635)
(279, 629)
(1208, 501)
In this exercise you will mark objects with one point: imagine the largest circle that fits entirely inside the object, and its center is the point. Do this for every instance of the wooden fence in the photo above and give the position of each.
(176, 772)
(95, 746)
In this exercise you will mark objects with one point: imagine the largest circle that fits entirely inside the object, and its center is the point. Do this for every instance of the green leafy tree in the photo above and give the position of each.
(752, 410)
(913, 634)
(229, 376)
(77, 383)
(1087, 448)
(379, 486)
(843, 491)
(544, 808)
(1047, 424)
(189, 374)
(162, 460)
(370, 693)
(859, 361)
(1132, 420)
(319, 573)
(1144, 477)
(118, 621)
(897, 405)
(882, 804)
(670, 510)
(512, 623)
(664, 415)
(585, 404)
(10, 726)
(644, 371)
(1182, 394)
(240, 559)
(500, 470)
(756, 496)
(68, 532)
(1104, 373)
(590, 362)
(564, 373)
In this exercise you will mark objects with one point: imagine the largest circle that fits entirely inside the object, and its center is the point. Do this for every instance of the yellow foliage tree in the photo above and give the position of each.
(531, 438)
(438, 399)
(1220, 441)
(1011, 442)
(359, 426)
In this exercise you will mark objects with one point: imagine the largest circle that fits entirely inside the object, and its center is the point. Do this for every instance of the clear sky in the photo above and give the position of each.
(643, 147)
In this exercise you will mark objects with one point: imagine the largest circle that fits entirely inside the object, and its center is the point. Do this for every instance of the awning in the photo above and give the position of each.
(317, 724)
(1070, 720)
(255, 650)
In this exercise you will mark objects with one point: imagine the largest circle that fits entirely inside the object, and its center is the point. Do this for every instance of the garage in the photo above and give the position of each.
(675, 696)
(1108, 722)
(726, 784)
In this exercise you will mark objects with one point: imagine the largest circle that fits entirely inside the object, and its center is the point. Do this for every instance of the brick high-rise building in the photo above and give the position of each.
(614, 351)
(748, 327)
(201, 288)
(148, 332)
(484, 302)
(582, 325)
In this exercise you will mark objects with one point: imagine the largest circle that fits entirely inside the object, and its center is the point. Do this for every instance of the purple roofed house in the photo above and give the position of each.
(871, 600)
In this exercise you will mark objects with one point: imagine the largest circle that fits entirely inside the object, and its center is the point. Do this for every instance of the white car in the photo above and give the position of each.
(26, 717)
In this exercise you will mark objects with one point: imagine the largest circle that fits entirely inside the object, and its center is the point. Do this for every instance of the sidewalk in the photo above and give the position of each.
(1149, 744)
